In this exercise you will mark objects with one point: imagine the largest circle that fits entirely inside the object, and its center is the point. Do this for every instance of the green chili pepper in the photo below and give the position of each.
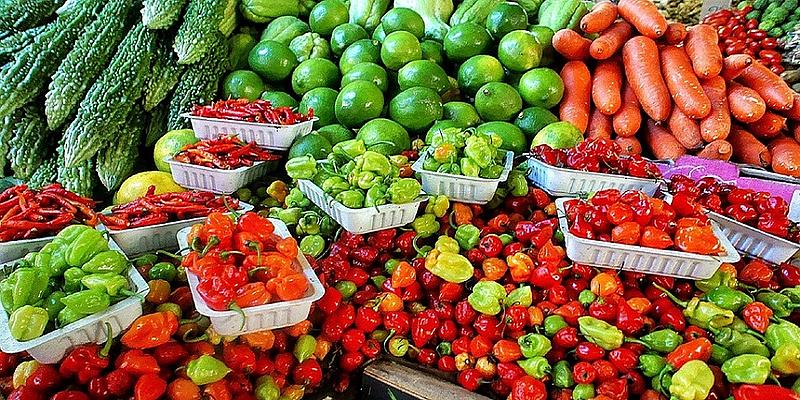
(537, 367)
(534, 345)
(487, 297)
(437, 205)
(651, 364)
(727, 298)
(468, 236)
(553, 323)
(68, 315)
(303, 167)
(562, 375)
(206, 369)
(601, 333)
(662, 341)
(72, 279)
(266, 389)
(304, 347)
(793, 293)
(109, 282)
(25, 286)
(89, 243)
(451, 267)
(787, 359)
(517, 183)
(492, 172)
(586, 297)
(107, 261)
(737, 342)
(350, 149)
(429, 164)
(88, 301)
(781, 305)
(404, 190)
(353, 198)
(693, 381)
(163, 270)
(782, 332)
(479, 150)
(53, 304)
(662, 382)
(27, 323)
(747, 368)
(521, 296)
(469, 167)
(446, 244)
(720, 278)
(376, 196)
(312, 245)
(425, 225)
(719, 354)
(583, 391)
(296, 198)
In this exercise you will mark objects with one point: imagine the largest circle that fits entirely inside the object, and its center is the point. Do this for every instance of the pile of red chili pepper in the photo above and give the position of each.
(26, 213)
(225, 152)
(243, 263)
(153, 209)
(597, 155)
(260, 111)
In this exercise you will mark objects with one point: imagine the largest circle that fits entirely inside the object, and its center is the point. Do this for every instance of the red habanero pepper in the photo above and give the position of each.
(757, 273)
(423, 327)
(757, 316)
(69, 395)
(405, 243)
(119, 382)
(151, 330)
(759, 392)
(697, 349)
(239, 357)
(252, 294)
(616, 389)
(629, 321)
(87, 361)
(528, 388)
(137, 362)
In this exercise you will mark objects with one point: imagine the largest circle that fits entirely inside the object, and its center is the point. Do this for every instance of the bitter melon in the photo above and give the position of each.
(164, 74)
(12, 44)
(30, 142)
(198, 85)
(6, 133)
(116, 162)
(157, 124)
(196, 33)
(80, 178)
(161, 14)
(25, 14)
(228, 23)
(45, 175)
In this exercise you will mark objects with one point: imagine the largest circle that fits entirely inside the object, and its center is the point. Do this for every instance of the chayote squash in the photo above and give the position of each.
(368, 13)
(263, 11)
(310, 45)
(240, 45)
(435, 13)
(284, 29)
(306, 6)
(473, 11)
(561, 14)
(531, 6)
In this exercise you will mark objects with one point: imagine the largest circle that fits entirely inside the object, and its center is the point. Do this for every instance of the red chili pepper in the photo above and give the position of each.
(137, 362)
(758, 392)
(239, 357)
(86, 362)
(698, 349)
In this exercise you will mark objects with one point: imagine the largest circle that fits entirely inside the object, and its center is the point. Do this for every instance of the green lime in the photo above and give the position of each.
(513, 138)
(314, 144)
(279, 99)
(314, 73)
(478, 71)
(274, 61)
(384, 136)
(464, 114)
(433, 51)
(541, 87)
(519, 51)
(364, 50)
(358, 102)
(240, 46)
(423, 73)
(171, 143)
(367, 71)
(497, 101)
(506, 17)
(284, 29)
(403, 19)
(558, 135)
(439, 126)
(532, 119)
(466, 40)
(323, 101)
(336, 133)
(379, 34)
(242, 84)
(416, 108)
(399, 48)
(344, 35)
(327, 15)
(310, 45)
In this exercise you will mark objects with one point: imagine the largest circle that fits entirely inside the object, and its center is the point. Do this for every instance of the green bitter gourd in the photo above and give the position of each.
(196, 33)
(161, 14)
(198, 85)
(30, 142)
(164, 75)
(116, 162)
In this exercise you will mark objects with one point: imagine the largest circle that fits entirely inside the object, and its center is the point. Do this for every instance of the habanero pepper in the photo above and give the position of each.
(780, 304)
(739, 343)
(758, 392)
(701, 313)
(87, 361)
(206, 369)
(692, 381)
(747, 368)
(697, 349)
(787, 359)
(151, 330)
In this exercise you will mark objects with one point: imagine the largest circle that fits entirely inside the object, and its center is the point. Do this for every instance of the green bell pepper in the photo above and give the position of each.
(479, 150)
(517, 183)
(25, 286)
(453, 268)
(534, 345)
(163, 270)
(468, 236)
(537, 367)
(376, 196)
(449, 168)
(787, 359)
(303, 167)
(469, 167)
(521, 296)
(720, 354)
(107, 261)
(747, 368)
(404, 190)
(562, 375)
(601, 333)
(350, 149)
(53, 304)
(693, 381)
(781, 305)
(88, 244)
(206, 369)
(312, 245)
(491, 172)
(437, 205)
(425, 225)
(27, 323)
(727, 298)
(112, 284)
(446, 244)
(782, 332)
(651, 364)
(88, 301)
(553, 324)
(296, 198)
(662, 341)
(72, 279)
(68, 315)
(353, 198)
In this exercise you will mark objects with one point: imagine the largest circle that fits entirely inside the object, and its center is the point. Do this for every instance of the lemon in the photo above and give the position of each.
(137, 185)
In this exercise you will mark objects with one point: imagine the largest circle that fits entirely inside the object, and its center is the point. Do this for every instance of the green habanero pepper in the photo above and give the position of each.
(308, 223)
(534, 345)
(25, 286)
(390, 265)
(304, 347)
(651, 364)
(720, 278)
(398, 160)
(583, 391)
(747, 368)
(404, 190)
(498, 198)
(206, 369)
(782, 332)
(662, 341)
(350, 149)
(303, 167)
(477, 148)
(67, 316)
(521, 296)
(327, 226)
(163, 270)
(693, 381)
(517, 183)
(492, 172)
(537, 367)
(444, 153)
(53, 304)
(43, 261)
(453, 268)
(88, 301)
(446, 244)
(487, 297)
(27, 323)
(601, 333)
(425, 225)
(266, 389)
(468, 236)
(363, 179)
(586, 297)
(351, 198)
(781, 305)
(107, 261)
(296, 198)
(454, 136)
(437, 205)
(553, 324)
(793, 293)
(72, 279)
(376, 196)
(112, 284)
(429, 164)
(796, 386)
(787, 359)
(375, 162)
(289, 216)
(720, 354)
(334, 185)
(57, 249)
(449, 168)
(562, 375)
(312, 245)
(727, 298)
(85, 246)
(702, 313)
(145, 259)
(738, 342)
(469, 167)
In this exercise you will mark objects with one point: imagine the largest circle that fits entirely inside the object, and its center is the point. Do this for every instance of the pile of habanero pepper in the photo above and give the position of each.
(597, 155)
(153, 209)
(225, 152)
(457, 152)
(260, 111)
(26, 213)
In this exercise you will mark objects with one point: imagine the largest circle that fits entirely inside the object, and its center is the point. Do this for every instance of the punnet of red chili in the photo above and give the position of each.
(226, 152)
(26, 213)
(251, 111)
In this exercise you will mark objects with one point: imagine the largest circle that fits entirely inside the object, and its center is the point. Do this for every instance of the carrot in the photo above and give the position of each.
(628, 119)
(571, 44)
(611, 40)
(685, 129)
(717, 125)
(577, 98)
(794, 112)
(733, 65)
(630, 145)
(642, 68)
(746, 105)
(717, 150)
(661, 142)
(775, 92)
(748, 149)
(769, 126)
(607, 86)
(683, 83)
(602, 15)
(701, 46)
(675, 33)
(643, 15)
(785, 156)
(599, 125)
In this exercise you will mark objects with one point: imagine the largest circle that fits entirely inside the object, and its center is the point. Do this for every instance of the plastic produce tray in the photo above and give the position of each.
(13, 250)
(643, 259)
(361, 220)
(755, 242)
(460, 188)
(270, 136)
(259, 318)
(568, 182)
(51, 347)
(219, 181)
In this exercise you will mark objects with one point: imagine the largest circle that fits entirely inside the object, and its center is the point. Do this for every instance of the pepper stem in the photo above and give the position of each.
(170, 255)
(416, 247)
(632, 340)
(235, 307)
(109, 341)
(671, 296)
(212, 241)
(235, 213)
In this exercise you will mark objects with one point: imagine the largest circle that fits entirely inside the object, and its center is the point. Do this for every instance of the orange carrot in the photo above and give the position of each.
(607, 86)
(701, 46)
(603, 14)
(599, 125)
(748, 149)
(611, 40)
(775, 92)
(785, 156)
(769, 126)
(642, 68)
(746, 105)
(628, 119)
(717, 125)
(717, 150)
(683, 83)
(675, 33)
(685, 129)
(643, 15)
(571, 44)
(577, 94)
(630, 145)
(661, 142)
(734, 65)
(794, 112)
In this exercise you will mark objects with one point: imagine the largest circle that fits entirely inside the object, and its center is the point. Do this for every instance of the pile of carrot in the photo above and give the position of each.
(645, 82)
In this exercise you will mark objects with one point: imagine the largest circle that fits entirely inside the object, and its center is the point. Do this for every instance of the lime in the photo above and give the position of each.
(379, 34)
(558, 135)
(478, 71)
(284, 29)
(327, 15)
(439, 126)
(513, 138)
(358, 102)
(367, 71)
(314, 144)
(344, 35)
(532, 119)
(466, 40)
(399, 48)
(506, 17)
(384, 136)
(403, 19)
(423, 73)
(463, 114)
(416, 108)
(171, 143)
(314, 73)
(279, 99)
(240, 46)
(497, 101)
(323, 101)
(364, 50)
(310, 45)
(519, 51)
(137, 185)
(541, 87)
(274, 61)
(242, 84)
(336, 133)
(433, 51)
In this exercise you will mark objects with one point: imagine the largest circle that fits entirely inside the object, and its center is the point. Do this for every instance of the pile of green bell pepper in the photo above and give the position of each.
(458, 152)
